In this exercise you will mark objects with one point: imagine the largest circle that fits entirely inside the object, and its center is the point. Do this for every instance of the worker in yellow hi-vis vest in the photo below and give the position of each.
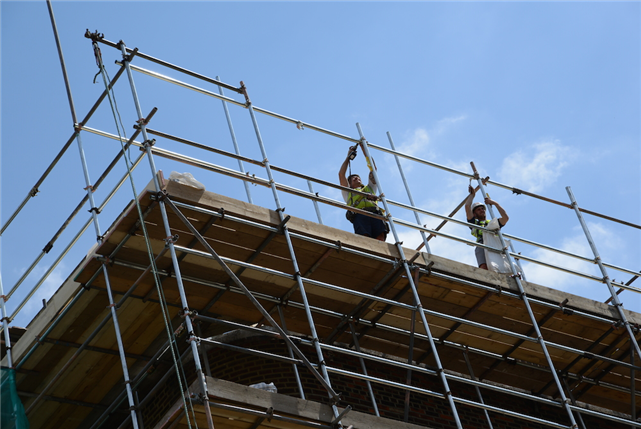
(363, 224)
(476, 215)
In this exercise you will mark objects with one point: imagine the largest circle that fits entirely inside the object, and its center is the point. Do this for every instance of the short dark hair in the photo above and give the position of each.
(349, 178)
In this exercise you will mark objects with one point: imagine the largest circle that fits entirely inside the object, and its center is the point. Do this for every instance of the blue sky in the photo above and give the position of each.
(539, 96)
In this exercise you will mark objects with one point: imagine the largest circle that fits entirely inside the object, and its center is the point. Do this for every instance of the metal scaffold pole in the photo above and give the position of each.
(357, 346)
(5, 320)
(409, 193)
(417, 299)
(539, 336)
(94, 213)
(297, 273)
(170, 243)
(241, 167)
(606, 278)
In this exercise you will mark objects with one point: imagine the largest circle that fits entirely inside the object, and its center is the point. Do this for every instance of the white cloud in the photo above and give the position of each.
(417, 142)
(576, 244)
(439, 245)
(444, 124)
(535, 168)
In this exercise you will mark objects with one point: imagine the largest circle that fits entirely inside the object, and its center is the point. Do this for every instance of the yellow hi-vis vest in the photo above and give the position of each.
(478, 233)
(360, 201)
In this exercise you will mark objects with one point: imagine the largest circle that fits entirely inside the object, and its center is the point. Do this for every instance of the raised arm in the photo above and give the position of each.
(342, 179)
(468, 203)
(504, 217)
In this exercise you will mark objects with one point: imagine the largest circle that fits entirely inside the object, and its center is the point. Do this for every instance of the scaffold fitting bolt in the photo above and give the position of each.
(300, 125)
(148, 143)
(171, 239)
(95, 36)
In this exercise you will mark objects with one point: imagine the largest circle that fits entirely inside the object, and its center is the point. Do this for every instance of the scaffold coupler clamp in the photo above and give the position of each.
(142, 121)
(172, 239)
(243, 90)
(147, 144)
(127, 58)
(281, 226)
(300, 125)
(337, 399)
(158, 196)
(179, 330)
(564, 309)
(95, 36)
(270, 413)
(429, 268)
(193, 338)
(518, 274)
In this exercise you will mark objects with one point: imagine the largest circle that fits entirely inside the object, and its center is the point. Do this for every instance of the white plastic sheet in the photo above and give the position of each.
(186, 179)
(496, 260)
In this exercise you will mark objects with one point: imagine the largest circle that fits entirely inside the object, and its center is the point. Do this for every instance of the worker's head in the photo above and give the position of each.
(478, 209)
(354, 181)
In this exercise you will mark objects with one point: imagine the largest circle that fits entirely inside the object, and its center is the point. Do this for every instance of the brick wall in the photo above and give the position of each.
(429, 411)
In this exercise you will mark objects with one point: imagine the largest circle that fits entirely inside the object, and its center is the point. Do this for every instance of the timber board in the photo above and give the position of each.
(55, 415)
(608, 399)
(94, 374)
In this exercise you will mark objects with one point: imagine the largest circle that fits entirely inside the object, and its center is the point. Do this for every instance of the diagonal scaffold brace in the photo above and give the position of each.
(254, 301)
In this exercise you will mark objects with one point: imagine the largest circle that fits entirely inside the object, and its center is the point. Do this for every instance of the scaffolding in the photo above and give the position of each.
(181, 259)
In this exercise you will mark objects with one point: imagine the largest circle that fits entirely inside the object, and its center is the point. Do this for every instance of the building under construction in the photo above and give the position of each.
(196, 308)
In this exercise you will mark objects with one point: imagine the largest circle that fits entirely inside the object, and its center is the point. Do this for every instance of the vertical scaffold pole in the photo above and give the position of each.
(417, 299)
(94, 209)
(121, 349)
(606, 278)
(291, 353)
(478, 391)
(5, 323)
(233, 139)
(357, 346)
(172, 250)
(407, 189)
(517, 278)
(297, 273)
(318, 214)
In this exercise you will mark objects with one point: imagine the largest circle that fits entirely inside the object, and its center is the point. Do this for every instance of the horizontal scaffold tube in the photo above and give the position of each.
(293, 304)
(305, 194)
(399, 304)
